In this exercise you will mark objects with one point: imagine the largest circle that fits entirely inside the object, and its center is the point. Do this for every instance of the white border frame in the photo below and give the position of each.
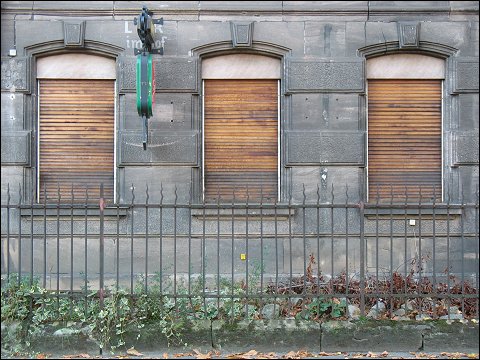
(366, 143)
(278, 141)
(203, 140)
(115, 142)
(38, 141)
(442, 140)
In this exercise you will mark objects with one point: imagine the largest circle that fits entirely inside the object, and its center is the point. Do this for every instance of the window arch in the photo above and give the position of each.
(404, 127)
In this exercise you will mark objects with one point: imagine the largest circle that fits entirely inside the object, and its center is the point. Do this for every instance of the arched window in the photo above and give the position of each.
(76, 114)
(240, 127)
(405, 127)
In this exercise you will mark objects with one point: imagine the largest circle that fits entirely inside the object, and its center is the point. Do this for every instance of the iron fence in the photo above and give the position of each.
(313, 258)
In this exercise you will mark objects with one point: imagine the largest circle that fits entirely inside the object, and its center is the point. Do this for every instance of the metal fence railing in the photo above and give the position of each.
(312, 258)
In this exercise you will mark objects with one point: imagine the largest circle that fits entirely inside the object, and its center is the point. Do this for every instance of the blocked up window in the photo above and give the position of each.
(241, 128)
(76, 127)
(405, 128)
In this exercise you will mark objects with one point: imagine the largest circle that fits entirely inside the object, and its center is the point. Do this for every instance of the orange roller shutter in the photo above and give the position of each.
(241, 139)
(404, 139)
(76, 138)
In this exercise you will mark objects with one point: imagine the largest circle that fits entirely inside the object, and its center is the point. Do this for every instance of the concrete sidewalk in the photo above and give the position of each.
(279, 336)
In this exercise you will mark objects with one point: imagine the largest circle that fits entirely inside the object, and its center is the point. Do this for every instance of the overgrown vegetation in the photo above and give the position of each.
(311, 297)
(30, 307)
(424, 296)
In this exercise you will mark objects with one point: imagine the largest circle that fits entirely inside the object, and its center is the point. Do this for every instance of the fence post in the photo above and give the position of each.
(102, 245)
(361, 206)
(101, 205)
(8, 233)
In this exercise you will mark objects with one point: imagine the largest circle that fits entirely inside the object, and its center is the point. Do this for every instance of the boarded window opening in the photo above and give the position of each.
(76, 139)
(404, 140)
(241, 139)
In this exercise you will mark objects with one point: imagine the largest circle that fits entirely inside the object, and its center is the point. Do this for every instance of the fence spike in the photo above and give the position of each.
(32, 192)
(333, 194)
(147, 195)
(117, 195)
(261, 193)
(449, 195)
(133, 194)
(318, 193)
(303, 193)
(19, 194)
(102, 197)
(161, 193)
(8, 194)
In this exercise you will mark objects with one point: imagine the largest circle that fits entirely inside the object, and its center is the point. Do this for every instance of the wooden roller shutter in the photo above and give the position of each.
(76, 138)
(404, 139)
(241, 137)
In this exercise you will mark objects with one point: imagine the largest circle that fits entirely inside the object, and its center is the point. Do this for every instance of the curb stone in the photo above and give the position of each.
(266, 335)
(279, 335)
(462, 337)
(378, 336)
(372, 335)
(196, 334)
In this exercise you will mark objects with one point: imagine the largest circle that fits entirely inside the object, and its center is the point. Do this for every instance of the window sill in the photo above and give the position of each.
(66, 211)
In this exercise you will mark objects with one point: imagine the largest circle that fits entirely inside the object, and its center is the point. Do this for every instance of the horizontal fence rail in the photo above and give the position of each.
(320, 256)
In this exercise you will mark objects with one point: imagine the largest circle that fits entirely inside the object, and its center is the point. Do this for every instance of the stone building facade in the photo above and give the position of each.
(320, 55)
